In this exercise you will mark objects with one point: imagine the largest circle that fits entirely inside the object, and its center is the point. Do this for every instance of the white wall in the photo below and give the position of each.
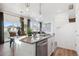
(65, 31)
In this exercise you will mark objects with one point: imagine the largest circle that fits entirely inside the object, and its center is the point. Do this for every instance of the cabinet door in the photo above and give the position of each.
(50, 45)
(77, 43)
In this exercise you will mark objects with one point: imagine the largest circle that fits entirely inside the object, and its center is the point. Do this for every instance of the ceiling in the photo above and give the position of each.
(49, 10)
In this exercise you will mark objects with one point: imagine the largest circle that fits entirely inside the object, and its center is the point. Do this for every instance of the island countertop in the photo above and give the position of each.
(32, 40)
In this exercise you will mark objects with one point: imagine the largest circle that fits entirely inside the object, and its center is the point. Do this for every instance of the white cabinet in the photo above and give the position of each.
(77, 45)
(50, 45)
(77, 42)
(25, 49)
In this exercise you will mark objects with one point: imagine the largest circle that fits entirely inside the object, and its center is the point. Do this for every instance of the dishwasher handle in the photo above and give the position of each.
(44, 43)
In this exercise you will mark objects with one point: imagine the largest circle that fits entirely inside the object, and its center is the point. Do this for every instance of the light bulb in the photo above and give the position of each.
(27, 9)
(40, 15)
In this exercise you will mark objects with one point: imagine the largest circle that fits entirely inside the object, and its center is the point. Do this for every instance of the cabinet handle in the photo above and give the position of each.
(42, 44)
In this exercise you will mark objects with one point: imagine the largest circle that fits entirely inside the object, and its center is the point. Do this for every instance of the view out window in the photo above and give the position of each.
(7, 23)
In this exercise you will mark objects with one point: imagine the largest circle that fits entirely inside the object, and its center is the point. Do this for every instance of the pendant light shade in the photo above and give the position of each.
(27, 6)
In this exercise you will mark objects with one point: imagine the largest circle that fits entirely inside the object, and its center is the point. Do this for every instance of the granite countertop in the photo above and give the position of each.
(32, 40)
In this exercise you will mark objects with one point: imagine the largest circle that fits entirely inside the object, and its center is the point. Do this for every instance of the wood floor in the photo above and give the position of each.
(23, 50)
(64, 52)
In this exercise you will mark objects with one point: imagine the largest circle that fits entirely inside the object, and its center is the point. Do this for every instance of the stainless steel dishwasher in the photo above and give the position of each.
(42, 48)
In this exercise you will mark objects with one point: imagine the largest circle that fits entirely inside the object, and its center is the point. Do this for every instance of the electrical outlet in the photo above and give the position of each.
(53, 34)
(75, 44)
(55, 43)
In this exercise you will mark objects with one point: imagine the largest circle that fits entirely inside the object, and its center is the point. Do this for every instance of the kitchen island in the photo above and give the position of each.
(31, 46)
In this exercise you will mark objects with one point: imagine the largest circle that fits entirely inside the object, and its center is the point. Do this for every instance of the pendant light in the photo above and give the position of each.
(27, 6)
(40, 11)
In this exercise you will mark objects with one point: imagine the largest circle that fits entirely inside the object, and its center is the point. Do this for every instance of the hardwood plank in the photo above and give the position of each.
(63, 52)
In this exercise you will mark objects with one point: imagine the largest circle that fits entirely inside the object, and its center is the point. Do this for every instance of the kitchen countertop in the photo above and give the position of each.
(32, 40)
